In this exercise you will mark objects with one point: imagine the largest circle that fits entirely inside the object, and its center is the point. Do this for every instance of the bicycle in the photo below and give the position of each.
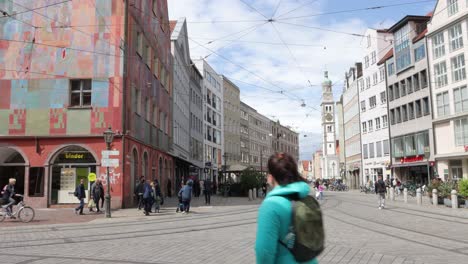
(23, 212)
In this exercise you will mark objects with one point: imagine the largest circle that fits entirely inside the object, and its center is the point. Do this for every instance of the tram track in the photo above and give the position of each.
(368, 227)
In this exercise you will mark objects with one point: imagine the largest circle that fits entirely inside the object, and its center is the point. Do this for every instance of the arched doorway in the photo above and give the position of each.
(12, 165)
(68, 167)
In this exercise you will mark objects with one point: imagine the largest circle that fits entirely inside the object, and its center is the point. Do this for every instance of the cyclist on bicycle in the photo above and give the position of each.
(8, 192)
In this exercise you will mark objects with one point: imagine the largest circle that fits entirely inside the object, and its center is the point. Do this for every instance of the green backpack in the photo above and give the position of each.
(306, 237)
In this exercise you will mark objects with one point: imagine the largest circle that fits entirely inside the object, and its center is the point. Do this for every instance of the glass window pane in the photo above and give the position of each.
(75, 85)
(86, 85)
(75, 99)
(86, 98)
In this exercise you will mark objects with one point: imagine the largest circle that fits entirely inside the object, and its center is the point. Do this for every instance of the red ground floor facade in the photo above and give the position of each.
(49, 169)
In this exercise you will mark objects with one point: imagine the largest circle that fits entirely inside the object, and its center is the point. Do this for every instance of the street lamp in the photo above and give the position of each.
(108, 138)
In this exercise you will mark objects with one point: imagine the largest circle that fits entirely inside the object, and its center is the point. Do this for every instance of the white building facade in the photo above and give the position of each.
(373, 107)
(447, 41)
(181, 100)
(352, 133)
(330, 162)
(213, 122)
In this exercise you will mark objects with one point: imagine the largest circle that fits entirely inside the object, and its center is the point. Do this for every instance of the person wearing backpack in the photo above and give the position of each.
(80, 194)
(279, 219)
(380, 190)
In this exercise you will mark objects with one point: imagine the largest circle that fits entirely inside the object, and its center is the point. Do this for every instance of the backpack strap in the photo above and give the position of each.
(289, 239)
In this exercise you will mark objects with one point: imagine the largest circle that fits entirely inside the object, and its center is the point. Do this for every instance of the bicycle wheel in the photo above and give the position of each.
(2, 215)
(26, 214)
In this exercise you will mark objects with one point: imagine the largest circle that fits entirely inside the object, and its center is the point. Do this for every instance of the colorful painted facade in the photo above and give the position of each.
(66, 77)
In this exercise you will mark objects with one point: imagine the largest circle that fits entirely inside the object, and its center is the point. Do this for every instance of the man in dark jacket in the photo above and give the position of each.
(186, 194)
(148, 197)
(8, 192)
(139, 189)
(380, 190)
(81, 195)
(207, 191)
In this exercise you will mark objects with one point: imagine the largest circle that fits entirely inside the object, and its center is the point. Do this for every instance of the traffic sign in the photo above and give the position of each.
(107, 153)
(110, 163)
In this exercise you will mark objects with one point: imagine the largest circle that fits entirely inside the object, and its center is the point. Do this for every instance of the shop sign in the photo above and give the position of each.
(411, 159)
(110, 163)
(74, 156)
(107, 153)
(92, 177)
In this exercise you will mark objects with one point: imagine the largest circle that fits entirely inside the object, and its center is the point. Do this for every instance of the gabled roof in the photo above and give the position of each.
(386, 57)
(172, 25)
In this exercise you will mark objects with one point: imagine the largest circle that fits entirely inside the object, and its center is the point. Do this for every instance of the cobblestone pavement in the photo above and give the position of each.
(357, 232)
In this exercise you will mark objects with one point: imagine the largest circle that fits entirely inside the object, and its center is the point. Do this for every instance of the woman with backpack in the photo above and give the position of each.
(275, 215)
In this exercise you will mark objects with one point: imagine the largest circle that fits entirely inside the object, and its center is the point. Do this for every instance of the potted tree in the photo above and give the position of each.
(444, 192)
(463, 190)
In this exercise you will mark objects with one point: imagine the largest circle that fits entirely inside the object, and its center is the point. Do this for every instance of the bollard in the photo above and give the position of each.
(254, 193)
(250, 195)
(454, 199)
(392, 194)
(418, 196)
(434, 197)
(405, 195)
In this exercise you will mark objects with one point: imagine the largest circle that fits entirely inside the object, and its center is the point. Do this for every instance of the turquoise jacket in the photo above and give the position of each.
(274, 219)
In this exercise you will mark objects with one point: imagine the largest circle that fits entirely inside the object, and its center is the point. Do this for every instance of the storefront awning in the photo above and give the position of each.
(411, 164)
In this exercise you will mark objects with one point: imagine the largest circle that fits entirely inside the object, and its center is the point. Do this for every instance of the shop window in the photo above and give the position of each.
(36, 182)
(80, 93)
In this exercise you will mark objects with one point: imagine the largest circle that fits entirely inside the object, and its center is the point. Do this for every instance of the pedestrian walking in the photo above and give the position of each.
(147, 197)
(97, 191)
(275, 213)
(207, 189)
(186, 194)
(158, 198)
(101, 197)
(320, 190)
(264, 189)
(380, 189)
(139, 189)
(80, 194)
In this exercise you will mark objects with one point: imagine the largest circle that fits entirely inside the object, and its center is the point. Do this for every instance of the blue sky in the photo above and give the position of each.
(279, 65)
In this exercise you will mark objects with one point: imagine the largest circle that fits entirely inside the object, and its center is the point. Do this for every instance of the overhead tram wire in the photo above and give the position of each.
(297, 8)
(33, 9)
(253, 8)
(356, 10)
(276, 9)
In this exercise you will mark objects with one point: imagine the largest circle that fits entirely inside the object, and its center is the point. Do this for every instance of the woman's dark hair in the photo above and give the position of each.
(283, 168)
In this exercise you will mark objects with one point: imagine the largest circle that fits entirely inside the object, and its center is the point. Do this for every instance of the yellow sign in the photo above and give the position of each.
(74, 156)
(92, 177)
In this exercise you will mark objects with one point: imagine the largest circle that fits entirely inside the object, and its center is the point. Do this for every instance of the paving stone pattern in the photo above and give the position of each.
(357, 232)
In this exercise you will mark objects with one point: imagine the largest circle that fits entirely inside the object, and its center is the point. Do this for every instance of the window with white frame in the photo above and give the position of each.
(366, 61)
(80, 93)
(443, 105)
(452, 7)
(371, 150)
(402, 48)
(373, 57)
(365, 151)
(460, 97)
(372, 102)
(383, 97)
(385, 121)
(378, 146)
(368, 84)
(458, 68)
(461, 132)
(377, 123)
(371, 126)
(363, 106)
(382, 73)
(375, 78)
(438, 45)
(361, 84)
(456, 37)
(440, 74)
(364, 127)
(386, 147)
(391, 68)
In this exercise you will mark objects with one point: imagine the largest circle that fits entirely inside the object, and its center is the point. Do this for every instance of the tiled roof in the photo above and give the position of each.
(387, 56)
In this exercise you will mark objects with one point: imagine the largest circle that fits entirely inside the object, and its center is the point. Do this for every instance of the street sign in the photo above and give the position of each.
(107, 153)
(110, 163)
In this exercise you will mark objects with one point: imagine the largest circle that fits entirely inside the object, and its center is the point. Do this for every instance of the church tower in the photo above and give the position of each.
(330, 164)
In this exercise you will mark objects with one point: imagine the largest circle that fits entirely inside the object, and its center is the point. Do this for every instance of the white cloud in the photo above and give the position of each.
(273, 63)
